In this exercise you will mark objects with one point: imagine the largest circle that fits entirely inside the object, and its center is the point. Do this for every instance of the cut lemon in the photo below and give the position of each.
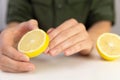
(108, 46)
(33, 43)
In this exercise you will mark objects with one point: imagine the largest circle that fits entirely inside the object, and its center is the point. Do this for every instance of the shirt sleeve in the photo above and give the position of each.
(101, 10)
(19, 11)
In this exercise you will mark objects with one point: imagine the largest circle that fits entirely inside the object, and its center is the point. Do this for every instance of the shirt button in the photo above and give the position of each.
(60, 6)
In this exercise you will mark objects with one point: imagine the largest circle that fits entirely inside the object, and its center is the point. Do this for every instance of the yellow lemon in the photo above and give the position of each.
(33, 43)
(108, 46)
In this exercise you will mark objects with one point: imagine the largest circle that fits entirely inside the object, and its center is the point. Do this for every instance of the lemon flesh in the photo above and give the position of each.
(33, 43)
(108, 46)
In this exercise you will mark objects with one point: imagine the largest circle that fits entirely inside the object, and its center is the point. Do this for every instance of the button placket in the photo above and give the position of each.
(59, 8)
(59, 5)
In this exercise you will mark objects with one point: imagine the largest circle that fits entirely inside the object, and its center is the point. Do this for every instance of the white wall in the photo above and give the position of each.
(116, 28)
(2, 13)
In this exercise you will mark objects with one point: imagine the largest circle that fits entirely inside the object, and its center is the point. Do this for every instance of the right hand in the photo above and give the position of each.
(12, 60)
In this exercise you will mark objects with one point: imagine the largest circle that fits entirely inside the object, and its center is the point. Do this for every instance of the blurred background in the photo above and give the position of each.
(3, 7)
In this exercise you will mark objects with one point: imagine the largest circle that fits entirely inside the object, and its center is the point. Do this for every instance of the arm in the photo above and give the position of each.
(98, 28)
(19, 11)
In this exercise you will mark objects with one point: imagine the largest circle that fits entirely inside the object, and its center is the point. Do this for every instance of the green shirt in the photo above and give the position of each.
(51, 13)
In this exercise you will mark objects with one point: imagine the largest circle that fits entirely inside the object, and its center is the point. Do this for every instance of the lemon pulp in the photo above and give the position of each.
(33, 43)
(108, 46)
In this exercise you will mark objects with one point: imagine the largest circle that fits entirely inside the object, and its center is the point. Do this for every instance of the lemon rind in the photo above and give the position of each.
(104, 54)
(40, 49)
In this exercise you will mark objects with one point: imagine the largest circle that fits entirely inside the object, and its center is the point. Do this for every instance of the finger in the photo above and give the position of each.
(26, 26)
(15, 66)
(5, 69)
(0, 64)
(14, 54)
(46, 51)
(50, 30)
(76, 48)
(29, 25)
(66, 34)
(67, 43)
(64, 26)
(33, 23)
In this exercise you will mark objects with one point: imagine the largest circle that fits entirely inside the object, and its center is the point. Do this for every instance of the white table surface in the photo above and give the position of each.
(69, 68)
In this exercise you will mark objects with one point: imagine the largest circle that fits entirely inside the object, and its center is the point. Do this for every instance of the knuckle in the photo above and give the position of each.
(58, 40)
(82, 27)
(74, 20)
(63, 34)
(78, 27)
(33, 20)
(66, 44)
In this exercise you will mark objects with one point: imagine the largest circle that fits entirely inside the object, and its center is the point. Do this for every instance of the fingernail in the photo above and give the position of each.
(46, 51)
(25, 58)
(52, 52)
(30, 68)
(67, 53)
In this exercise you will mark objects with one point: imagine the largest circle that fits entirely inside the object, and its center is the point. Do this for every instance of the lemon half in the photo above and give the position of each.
(33, 43)
(108, 46)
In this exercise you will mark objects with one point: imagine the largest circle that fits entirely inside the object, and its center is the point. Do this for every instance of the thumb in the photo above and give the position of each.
(28, 26)
(24, 27)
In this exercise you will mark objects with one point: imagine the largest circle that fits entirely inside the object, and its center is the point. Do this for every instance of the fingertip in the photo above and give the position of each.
(24, 67)
(46, 51)
(33, 21)
(21, 56)
(50, 30)
(24, 58)
(52, 52)
(31, 67)
(67, 53)
(33, 24)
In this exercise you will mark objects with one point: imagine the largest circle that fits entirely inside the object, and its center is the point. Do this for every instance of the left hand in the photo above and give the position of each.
(70, 37)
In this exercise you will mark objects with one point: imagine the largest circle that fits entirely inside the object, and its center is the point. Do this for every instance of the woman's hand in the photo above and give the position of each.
(70, 37)
(12, 60)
